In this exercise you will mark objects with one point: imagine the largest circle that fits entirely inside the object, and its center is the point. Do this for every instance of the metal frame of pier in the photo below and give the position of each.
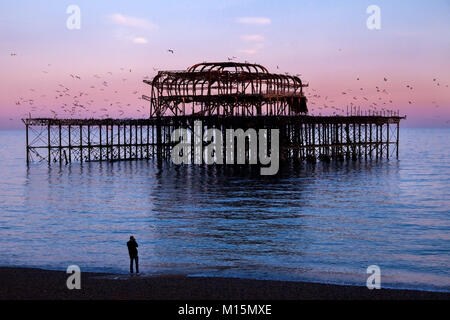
(301, 137)
(223, 96)
(225, 89)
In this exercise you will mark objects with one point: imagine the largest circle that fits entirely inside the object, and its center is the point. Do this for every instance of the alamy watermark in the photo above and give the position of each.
(208, 147)
(73, 22)
(74, 280)
(374, 20)
(374, 280)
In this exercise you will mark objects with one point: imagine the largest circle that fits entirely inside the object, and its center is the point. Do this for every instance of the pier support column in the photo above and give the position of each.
(398, 138)
(28, 145)
(158, 140)
(388, 141)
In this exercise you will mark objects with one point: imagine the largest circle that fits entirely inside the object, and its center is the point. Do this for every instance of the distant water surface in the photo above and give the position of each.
(326, 223)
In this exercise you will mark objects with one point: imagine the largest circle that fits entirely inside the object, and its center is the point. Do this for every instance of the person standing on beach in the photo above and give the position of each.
(133, 252)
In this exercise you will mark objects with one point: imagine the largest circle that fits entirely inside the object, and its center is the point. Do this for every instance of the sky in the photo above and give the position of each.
(404, 65)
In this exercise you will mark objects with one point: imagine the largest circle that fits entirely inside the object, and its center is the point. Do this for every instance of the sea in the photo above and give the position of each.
(325, 223)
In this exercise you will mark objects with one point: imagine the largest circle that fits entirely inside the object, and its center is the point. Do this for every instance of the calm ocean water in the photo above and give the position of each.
(326, 223)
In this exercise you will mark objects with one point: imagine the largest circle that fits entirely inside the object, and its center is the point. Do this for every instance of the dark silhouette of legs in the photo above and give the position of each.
(136, 261)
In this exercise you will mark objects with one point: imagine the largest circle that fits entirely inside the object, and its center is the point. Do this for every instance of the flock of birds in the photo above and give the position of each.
(380, 105)
(376, 100)
(72, 102)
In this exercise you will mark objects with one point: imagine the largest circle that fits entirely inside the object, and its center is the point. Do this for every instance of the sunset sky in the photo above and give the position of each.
(121, 42)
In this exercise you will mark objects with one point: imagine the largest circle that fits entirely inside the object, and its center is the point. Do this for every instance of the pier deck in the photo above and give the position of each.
(302, 137)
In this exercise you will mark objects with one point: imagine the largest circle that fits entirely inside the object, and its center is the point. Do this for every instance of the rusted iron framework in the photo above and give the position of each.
(222, 96)
(225, 89)
(301, 137)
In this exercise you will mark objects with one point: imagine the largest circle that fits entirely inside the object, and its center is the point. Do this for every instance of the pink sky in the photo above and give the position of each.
(329, 46)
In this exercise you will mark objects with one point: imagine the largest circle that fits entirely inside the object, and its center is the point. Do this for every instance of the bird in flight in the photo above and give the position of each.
(171, 51)
(13, 54)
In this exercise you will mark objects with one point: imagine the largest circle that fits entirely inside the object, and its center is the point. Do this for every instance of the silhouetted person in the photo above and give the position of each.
(133, 252)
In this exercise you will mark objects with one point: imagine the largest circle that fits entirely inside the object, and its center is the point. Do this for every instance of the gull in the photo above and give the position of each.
(170, 50)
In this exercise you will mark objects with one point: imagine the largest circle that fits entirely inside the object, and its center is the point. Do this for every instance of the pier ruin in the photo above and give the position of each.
(222, 96)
